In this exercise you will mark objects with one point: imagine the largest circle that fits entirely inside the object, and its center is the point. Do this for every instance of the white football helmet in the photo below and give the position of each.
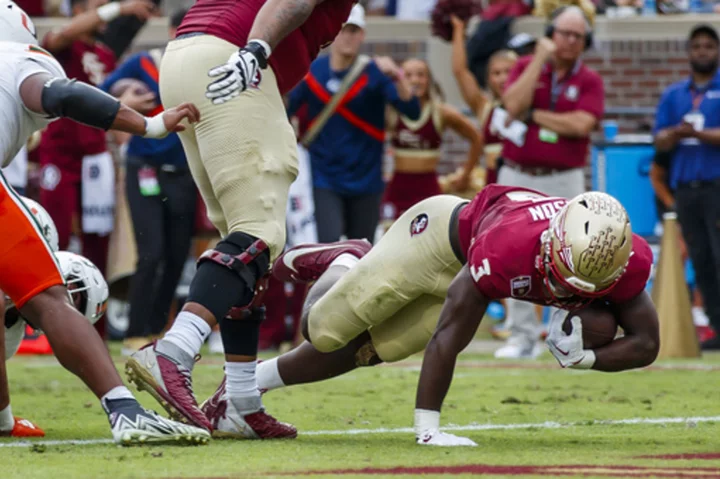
(16, 25)
(587, 246)
(47, 225)
(86, 286)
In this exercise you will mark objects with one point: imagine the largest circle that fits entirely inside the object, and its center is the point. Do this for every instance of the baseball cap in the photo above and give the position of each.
(521, 41)
(704, 29)
(357, 16)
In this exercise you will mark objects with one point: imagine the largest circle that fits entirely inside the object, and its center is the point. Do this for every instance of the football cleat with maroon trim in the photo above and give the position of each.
(307, 262)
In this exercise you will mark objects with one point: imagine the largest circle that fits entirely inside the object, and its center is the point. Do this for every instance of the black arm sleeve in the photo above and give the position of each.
(80, 102)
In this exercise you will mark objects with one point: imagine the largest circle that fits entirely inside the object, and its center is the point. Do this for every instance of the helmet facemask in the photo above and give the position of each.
(87, 289)
(77, 290)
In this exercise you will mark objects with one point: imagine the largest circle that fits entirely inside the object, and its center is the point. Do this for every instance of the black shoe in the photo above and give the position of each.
(711, 344)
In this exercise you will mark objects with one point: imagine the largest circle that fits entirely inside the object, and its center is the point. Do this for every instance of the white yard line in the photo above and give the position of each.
(469, 427)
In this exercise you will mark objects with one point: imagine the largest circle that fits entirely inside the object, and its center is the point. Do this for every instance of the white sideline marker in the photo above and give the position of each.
(469, 427)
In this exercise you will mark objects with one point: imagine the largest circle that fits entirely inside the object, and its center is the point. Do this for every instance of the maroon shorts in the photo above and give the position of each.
(407, 189)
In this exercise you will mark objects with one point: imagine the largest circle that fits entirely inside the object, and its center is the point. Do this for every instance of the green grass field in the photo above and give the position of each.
(530, 420)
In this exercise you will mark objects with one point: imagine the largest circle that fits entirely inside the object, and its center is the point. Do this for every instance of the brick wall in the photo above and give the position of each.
(636, 72)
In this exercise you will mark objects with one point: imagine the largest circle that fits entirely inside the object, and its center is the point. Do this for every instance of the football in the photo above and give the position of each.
(598, 325)
(121, 86)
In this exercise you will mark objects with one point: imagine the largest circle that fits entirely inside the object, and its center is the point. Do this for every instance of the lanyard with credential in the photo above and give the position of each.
(557, 87)
(697, 95)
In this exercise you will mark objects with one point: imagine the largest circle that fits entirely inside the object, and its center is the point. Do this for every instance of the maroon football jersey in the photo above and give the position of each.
(422, 135)
(232, 20)
(500, 230)
(89, 64)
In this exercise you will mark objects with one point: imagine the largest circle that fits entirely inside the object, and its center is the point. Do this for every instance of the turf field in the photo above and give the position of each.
(530, 419)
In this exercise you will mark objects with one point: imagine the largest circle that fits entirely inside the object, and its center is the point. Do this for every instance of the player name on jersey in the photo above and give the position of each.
(545, 211)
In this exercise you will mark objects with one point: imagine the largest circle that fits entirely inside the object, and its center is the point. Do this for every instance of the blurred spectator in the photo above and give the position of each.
(545, 8)
(34, 8)
(490, 37)
(562, 100)
(380, 7)
(119, 33)
(688, 125)
(522, 44)
(77, 179)
(402, 9)
(417, 143)
(346, 94)
(665, 202)
(16, 173)
(161, 195)
(414, 9)
(481, 104)
(664, 198)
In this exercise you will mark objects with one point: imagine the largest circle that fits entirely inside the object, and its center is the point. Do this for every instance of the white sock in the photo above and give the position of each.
(345, 259)
(241, 380)
(188, 332)
(268, 375)
(118, 392)
(7, 421)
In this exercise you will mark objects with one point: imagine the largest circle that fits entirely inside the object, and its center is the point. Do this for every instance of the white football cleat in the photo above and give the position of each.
(133, 425)
(435, 437)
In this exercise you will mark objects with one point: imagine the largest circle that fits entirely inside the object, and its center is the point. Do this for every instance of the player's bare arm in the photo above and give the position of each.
(9, 424)
(638, 348)
(460, 317)
(277, 18)
(641, 343)
(574, 124)
(60, 97)
(275, 21)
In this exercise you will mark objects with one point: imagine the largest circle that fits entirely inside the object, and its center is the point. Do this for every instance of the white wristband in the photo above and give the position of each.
(265, 45)
(587, 361)
(426, 419)
(155, 127)
(7, 421)
(109, 12)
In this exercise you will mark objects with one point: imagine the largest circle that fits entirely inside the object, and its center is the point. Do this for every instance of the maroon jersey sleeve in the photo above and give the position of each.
(636, 276)
(485, 268)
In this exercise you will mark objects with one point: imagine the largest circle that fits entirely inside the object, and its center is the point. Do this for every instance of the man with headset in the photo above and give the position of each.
(561, 101)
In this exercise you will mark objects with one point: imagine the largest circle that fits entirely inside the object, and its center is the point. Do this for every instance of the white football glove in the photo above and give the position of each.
(434, 437)
(568, 348)
(241, 71)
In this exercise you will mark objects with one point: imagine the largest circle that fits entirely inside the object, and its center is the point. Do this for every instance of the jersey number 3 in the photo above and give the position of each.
(478, 272)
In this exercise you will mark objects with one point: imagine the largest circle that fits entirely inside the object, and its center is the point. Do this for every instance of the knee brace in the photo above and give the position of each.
(230, 274)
